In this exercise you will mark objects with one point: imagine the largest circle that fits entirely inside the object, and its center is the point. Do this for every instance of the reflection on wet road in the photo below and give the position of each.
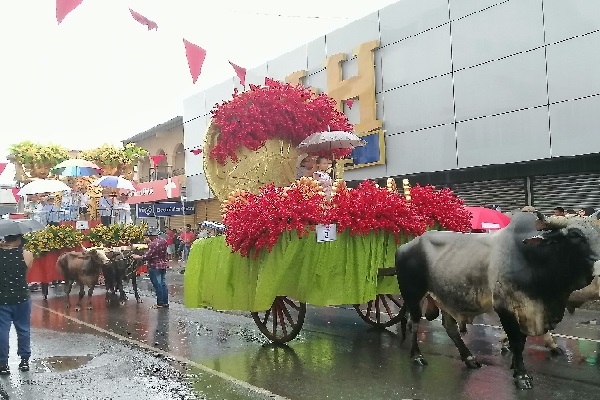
(337, 356)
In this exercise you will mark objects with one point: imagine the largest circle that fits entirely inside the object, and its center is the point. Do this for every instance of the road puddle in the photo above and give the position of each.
(63, 363)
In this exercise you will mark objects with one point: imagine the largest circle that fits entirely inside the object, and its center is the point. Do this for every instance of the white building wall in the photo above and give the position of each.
(459, 83)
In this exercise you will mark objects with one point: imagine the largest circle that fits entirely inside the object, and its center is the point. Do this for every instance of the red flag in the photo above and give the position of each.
(157, 159)
(2, 166)
(143, 20)
(240, 72)
(350, 103)
(64, 7)
(196, 151)
(15, 195)
(195, 57)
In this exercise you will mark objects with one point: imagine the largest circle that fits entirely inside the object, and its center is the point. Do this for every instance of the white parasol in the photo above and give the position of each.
(330, 140)
(43, 186)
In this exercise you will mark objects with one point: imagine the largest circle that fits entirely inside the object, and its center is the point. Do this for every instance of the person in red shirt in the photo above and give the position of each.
(170, 243)
(187, 237)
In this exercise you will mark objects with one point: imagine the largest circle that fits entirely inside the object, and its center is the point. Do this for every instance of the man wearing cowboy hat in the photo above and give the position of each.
(156, 258)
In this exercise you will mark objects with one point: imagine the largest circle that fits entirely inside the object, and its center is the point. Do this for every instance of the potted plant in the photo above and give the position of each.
(35, 160)
(114, 160)
(47, 245)
(116, 235)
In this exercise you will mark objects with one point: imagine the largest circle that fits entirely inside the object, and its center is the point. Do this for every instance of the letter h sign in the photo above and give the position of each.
(362, 88)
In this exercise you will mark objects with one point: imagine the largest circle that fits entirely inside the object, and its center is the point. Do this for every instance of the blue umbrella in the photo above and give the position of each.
(115, 182)
(76, 167)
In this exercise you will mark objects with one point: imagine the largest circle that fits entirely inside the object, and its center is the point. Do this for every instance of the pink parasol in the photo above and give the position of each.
(486, 218)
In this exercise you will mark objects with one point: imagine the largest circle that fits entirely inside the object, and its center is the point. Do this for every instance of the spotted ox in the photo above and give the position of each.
(83, 268)
(525, 276)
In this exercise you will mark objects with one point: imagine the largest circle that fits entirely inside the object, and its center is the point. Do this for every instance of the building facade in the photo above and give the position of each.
(497, 99)
(158, 199)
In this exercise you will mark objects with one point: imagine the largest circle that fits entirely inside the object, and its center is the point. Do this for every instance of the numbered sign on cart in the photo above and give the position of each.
(82, 225)
(326, 233)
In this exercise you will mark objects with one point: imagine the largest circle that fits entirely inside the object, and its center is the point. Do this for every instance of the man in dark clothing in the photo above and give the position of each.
(15, 303)
(156, 257)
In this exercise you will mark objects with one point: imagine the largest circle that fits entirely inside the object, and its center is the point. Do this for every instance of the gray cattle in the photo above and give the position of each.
(523, 275)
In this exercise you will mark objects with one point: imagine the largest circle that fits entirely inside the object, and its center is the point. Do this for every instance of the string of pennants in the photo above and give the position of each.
(195, 54)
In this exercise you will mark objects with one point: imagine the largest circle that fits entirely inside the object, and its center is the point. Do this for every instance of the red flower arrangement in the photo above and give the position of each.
(370, 208)
(276, 110)
(441, 207)
(257, 221)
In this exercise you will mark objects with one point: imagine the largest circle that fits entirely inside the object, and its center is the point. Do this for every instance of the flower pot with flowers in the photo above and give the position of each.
(47, 245)
(116, 235)
(114, 160)
(33, 160)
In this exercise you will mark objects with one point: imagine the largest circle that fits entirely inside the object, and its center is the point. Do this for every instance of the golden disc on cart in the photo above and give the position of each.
(275, 162)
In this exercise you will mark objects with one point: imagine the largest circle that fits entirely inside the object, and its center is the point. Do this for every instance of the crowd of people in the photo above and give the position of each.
(75, 206)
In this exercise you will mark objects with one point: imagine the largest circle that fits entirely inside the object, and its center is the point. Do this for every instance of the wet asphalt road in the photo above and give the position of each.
(133, 351)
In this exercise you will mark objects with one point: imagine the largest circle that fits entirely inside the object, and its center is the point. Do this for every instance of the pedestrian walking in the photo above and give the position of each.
(187, 237)
(156, 259)
(15, 302)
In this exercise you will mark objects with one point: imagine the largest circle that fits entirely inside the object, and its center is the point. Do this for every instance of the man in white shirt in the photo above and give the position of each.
(106, 208)
(123, 209)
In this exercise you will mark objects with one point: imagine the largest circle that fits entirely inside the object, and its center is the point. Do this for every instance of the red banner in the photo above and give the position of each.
(195, 57)
(156, 190)
(64, 7)
(2, 167)
(157, 159)
(240, 72)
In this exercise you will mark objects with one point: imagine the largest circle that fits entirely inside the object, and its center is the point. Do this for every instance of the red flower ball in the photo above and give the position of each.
(276, 110)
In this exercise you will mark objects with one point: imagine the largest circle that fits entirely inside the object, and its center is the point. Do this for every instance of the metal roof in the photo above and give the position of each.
(165, 126)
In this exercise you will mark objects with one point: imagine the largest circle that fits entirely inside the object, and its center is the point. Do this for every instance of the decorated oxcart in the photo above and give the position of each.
(277, 254)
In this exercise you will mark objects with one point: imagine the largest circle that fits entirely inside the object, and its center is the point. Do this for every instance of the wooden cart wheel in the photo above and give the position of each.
(283, 321)
(381, 312)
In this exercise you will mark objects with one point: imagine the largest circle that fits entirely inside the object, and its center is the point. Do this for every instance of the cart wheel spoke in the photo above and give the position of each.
(394, 300)
(287, 319)
(381, 312)
(386, 306)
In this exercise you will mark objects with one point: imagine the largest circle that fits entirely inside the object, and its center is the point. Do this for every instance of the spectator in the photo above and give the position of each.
(570, 213)
(51, 211)
(156, 257)
(105, 208)
(187, 238)
(586, 211)
(559, 212)
(15, 303)
(170, 243)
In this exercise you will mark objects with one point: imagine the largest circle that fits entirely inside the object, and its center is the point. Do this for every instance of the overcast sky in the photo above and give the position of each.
(101, 77)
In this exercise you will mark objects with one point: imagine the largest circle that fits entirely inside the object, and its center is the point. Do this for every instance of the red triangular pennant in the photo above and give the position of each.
(64, 7)
(15, 192)
(2, 167)
(195, 57)
(350, 103)
(240, 72)
(157, 159)
(196, 151)
(143, 20)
